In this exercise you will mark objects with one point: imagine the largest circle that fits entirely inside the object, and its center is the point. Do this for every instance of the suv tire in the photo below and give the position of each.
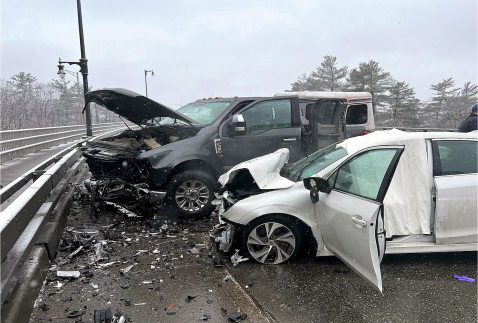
(190, 193)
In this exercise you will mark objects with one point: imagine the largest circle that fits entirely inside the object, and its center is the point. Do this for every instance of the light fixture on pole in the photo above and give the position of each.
(62, 72)
(145, 81)
(83, 63)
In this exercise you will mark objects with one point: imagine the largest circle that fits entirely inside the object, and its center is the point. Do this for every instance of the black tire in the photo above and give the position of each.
(284, 224)
(197, 202)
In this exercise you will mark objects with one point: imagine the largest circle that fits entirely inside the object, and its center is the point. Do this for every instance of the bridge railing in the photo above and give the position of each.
(17, 143)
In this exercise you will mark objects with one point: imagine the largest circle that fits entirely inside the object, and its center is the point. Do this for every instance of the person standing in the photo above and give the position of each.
(470, 123)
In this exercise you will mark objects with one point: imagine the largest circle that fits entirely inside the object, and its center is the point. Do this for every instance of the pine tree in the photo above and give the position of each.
(328, 76)
(441, 103)
(402, 105)
(370, 77)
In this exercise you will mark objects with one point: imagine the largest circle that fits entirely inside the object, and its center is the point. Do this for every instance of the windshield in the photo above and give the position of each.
(203, 112)
(315, 162)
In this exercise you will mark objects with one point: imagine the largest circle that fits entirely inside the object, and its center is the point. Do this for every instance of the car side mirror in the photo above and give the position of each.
(238, 125)
(316, 185)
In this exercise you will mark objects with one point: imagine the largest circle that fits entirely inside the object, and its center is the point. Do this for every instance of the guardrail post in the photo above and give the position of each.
(37, 174)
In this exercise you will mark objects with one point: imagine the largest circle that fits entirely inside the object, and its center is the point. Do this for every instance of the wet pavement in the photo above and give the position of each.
(173, 280)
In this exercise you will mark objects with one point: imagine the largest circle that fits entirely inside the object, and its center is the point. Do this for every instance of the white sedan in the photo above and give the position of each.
(386, 192)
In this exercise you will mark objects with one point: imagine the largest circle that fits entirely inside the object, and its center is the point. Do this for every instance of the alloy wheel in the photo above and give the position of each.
(192, 195)
(271, 243)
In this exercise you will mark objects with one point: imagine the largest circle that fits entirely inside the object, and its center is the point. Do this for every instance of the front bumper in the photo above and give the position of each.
(224, 233)
(223, 236)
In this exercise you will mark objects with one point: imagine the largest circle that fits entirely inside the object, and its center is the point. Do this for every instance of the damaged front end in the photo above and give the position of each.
(127, 198)
(252, 177)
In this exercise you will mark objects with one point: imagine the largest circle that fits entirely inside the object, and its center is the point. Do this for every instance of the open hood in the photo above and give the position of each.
(265, 171)
(133, 106)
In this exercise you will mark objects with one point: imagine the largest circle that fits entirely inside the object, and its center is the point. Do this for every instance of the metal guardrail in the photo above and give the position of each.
(418, 129)
(21, 133)
(23, 222)
(37, 139)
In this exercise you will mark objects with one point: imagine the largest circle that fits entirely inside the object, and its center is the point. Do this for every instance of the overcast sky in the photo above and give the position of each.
(238, 47)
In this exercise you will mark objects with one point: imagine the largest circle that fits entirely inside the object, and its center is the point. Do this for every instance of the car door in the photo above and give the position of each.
(324, 122)
(456, 179)
(271, 124)
(350, 212)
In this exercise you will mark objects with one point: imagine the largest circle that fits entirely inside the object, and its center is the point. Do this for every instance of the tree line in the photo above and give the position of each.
(395, 103)
(28, 103)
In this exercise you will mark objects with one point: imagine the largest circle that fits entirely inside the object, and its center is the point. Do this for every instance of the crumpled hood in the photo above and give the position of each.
(133, 106)
(265, 171)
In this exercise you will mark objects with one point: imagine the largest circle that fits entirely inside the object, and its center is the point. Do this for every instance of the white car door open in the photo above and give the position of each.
(349, 210)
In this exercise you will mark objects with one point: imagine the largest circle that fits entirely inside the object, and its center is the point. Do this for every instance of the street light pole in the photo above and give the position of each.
(84, 70)
(83, 63)
(145, 81)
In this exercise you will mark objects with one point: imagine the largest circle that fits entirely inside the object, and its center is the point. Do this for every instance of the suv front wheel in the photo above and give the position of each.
(191, 192)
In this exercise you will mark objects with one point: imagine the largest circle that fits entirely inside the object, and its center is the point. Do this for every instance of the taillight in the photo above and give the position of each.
(364, 132)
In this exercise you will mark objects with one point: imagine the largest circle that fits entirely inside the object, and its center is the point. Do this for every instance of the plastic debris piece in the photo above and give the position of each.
(108, 264)
(85, 231)
(127, 269)
(156, 251)
(58, 285)
(147, 282)
(103, 316)
(205, 317)
(194, 250)
(123, 210)
(227, 278)
(138, 304)
(94, 286)
(218, 262)
(170, 306)
(236, 258)
(189, 298)
(74, 314)
(464, 278)
(74, 253)
(237, 317)
(68, 274)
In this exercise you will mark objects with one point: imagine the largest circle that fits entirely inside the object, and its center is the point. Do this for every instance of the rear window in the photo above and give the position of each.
(454, 157)
(356, 114)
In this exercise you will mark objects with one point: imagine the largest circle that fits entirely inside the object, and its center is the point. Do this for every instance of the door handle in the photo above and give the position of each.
(359, 222)
(289, 139)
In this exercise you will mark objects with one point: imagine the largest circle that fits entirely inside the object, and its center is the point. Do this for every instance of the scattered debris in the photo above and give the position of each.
(189, 298)
(74, 314)
(464, 278)
(236, 258)
(58, 285)
(85, 231)
(74, 253)
(205, 317)
(237, 317)
(68, 274)
(94, 286)
(218, 262)
(103, 316)
(127, 269)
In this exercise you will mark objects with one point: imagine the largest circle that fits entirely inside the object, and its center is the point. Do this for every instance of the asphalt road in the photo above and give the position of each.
(417, 287)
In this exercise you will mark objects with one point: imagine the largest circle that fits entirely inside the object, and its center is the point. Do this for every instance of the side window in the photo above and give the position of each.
(268, 115)
(356, 114)
(363, 175)
(326, 112)
(455, 157)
